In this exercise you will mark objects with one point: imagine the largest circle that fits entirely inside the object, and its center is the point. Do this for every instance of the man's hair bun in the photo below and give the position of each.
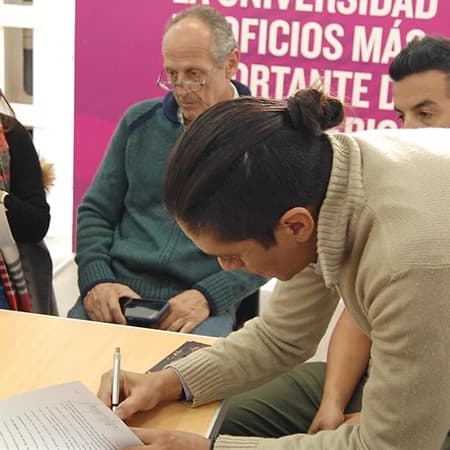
(312, 111)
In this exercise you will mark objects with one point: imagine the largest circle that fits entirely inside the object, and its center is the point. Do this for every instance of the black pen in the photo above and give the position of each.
(116, 380)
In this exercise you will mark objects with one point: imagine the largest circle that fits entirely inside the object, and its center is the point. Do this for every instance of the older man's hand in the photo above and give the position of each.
(187, 310)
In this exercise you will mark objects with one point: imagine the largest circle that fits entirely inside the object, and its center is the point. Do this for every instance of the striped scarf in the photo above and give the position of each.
(11, 273)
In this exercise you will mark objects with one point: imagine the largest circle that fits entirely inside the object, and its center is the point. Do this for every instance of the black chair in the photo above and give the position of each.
(37, 269)
(248, 309)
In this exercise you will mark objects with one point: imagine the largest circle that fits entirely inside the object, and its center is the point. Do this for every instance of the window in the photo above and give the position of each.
(18, 2)
(19, 64)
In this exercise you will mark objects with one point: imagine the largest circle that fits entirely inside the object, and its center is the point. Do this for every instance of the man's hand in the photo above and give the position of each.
(169, 440)
(352, 419)
(102, 302)
(187, 310)
(327, 418)
(140, 392)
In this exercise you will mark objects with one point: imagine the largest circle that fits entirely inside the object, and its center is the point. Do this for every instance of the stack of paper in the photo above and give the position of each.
(65, 416)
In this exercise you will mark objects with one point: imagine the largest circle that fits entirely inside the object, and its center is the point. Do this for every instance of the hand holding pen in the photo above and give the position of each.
(137, 391)
(115, 380)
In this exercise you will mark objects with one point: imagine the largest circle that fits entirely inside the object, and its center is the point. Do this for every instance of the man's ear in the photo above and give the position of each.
(297, 223)
(232, 63)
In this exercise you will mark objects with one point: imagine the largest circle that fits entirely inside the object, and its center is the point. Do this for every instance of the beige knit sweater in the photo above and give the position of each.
(384, 245)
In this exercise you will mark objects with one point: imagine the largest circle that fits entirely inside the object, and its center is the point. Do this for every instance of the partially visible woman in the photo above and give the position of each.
(25, 264)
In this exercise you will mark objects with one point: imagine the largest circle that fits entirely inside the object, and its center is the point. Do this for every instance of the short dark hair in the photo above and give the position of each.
(220, 29)
(244, 162)
(421, 55)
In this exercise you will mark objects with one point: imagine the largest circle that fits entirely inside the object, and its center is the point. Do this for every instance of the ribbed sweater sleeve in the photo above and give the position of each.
(223, 289)
(286, 333)
(227, 442)
(99, 213)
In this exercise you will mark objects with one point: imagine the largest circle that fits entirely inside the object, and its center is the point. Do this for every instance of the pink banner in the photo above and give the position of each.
(285, 45)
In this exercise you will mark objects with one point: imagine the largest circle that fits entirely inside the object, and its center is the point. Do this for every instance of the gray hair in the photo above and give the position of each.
(224, 40)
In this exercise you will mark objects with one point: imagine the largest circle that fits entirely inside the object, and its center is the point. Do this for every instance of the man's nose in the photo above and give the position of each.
(411, 121)
(180, 84)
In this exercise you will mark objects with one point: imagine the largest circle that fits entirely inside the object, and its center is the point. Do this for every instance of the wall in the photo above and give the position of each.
(49, 111)
(285, 45)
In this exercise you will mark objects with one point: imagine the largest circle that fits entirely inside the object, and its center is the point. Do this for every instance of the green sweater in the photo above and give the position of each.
(384, 245)
(124, 234)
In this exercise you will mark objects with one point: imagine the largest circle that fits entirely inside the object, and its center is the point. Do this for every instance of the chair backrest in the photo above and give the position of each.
(248, 309)
(37, 268)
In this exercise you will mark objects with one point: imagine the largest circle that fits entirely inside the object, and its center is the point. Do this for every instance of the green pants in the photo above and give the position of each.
(286, 405)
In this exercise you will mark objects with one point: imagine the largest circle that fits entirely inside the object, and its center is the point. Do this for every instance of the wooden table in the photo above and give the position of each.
(38, 351)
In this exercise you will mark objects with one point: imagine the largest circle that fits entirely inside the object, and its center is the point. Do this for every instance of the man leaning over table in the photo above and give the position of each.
(329, 395)
(385, 313)
(127, 245)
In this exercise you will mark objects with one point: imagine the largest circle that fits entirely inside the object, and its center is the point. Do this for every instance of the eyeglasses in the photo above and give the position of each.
(5, 107)
(169, 83)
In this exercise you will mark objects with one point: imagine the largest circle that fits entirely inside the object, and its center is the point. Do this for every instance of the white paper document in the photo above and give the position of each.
(64, 416)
